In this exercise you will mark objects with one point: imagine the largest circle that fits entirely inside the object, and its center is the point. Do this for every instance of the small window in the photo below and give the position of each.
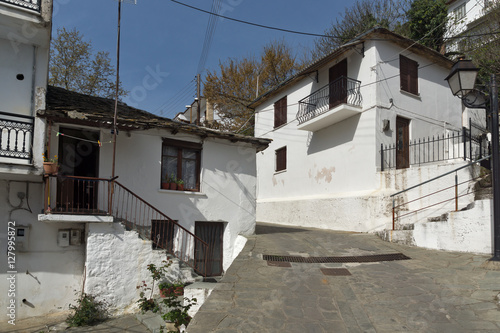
(181, 160)
(408, 74)
(459, 12)
(280, 112)
(281, 159)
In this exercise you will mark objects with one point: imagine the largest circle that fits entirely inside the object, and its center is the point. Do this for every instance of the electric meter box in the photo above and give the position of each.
(22, 237)
(76, 237)
(63, 238)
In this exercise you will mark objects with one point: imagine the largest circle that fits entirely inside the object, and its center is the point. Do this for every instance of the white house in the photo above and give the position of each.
(355, 127)
(201, 221)
(470, 19)
(25, 28)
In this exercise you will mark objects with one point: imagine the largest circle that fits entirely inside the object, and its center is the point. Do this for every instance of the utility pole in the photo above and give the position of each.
(198, 108)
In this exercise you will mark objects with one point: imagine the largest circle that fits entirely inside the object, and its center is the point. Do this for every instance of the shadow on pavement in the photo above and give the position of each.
(263, 229)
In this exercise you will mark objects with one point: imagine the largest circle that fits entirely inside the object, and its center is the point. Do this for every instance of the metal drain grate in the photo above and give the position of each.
(279, 263)
(325, 260)
(335, 271)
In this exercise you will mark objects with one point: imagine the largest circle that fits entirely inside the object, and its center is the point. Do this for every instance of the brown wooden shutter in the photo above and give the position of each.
(408, 75)
(281, 159)
(280, 112)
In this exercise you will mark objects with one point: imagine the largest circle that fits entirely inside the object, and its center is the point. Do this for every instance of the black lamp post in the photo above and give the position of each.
(461, 80)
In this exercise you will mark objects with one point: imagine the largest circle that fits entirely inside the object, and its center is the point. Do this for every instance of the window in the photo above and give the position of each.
(459, 12)
(280, 112)
(181, 160)
(408, 74)
(281, 159)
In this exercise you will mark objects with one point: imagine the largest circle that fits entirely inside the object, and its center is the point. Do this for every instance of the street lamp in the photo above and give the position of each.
(461, 80)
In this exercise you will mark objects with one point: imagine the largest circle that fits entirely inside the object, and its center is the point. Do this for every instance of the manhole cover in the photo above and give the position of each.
(346, 259)
(278, 263)
(335, 271)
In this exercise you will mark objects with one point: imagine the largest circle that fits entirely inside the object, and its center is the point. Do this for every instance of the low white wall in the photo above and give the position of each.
(362, 213)
(372, 210)
(464, 231)
(116, 264)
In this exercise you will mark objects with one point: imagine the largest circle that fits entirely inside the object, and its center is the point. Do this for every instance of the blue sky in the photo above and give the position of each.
(162, 41)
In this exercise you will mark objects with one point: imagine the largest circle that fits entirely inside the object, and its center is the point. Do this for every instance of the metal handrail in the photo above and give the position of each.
(431, 180)
(444, 174)
(17, 135)
(25, 4)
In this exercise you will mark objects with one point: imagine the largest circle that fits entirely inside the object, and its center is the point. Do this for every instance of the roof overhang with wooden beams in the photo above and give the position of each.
(377, 33)
(68, 107)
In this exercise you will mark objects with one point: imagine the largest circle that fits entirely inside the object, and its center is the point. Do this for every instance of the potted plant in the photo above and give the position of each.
(180, 184)
(171, 289)
(172, 182)
(50, 166)
(165, 184)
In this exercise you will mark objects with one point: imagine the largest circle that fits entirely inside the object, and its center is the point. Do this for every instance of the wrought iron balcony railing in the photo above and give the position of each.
(16, 138)
(344, 90)
(28, 4)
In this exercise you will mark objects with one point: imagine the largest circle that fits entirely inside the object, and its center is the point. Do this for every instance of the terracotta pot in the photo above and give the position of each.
(165, 186)
(180, 187)
(176, 291)
(50, 168)
(173, 186)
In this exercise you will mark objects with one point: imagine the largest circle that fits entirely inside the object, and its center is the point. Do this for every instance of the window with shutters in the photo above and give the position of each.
(181, 160)
(281, 159)
(280, 112)
(408, 74)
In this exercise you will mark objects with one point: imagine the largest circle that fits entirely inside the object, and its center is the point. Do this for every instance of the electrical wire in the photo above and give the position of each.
(286, 30)
(177, 99)
(209, 34)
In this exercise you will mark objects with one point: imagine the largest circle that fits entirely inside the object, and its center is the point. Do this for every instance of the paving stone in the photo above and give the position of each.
(435, 291)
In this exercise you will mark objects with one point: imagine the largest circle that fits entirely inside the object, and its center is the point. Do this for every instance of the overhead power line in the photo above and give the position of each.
(307, 33)
(251, 23)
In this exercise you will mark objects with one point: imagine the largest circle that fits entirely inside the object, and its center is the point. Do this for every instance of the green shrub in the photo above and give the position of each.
(88, 311)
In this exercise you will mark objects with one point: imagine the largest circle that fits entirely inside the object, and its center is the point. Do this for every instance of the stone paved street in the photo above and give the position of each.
(433, 292)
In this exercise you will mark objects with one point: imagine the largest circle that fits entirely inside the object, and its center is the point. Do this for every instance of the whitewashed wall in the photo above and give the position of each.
(48, 276)
(116, 263)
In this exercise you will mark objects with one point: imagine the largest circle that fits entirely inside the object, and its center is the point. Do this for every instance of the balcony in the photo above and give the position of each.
(331, 104)
(33, 5)
(16, 139)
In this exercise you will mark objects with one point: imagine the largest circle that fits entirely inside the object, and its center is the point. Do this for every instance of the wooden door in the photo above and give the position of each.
(402, 143)
(337, 76)
(211, 233)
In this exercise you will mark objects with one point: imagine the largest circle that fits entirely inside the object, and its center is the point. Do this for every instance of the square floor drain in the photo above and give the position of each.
(278, 263)
(335, 271)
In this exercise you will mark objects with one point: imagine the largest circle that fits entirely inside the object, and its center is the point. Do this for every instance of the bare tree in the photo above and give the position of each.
(75, 67)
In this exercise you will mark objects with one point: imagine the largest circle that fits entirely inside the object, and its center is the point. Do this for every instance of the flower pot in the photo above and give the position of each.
(50, 168)
(165, 186)
(180, 187)
(173, 186)
(176, 291)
